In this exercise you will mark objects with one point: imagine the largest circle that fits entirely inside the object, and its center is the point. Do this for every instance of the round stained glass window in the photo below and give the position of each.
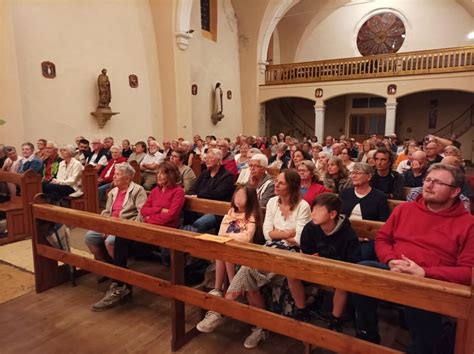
(382, 33)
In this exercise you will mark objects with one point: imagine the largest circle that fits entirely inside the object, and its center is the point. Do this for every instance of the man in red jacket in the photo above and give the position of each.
(432, 237)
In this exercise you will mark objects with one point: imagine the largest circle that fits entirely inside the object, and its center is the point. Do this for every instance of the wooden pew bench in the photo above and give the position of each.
(89, 200)
(449, 299)
(17, 209)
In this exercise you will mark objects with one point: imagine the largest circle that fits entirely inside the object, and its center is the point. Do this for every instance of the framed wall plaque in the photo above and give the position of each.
(48, 69)
(133, 80)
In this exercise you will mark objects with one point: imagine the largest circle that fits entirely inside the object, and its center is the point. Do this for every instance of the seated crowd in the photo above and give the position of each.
(310, 199)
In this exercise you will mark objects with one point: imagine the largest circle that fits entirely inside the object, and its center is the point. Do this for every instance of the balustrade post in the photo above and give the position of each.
(390, 117)
(319, 109)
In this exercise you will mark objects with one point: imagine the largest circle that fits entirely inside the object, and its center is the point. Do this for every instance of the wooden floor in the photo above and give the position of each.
(60, 321)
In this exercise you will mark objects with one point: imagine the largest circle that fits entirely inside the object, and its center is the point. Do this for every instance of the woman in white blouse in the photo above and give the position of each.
(68, 179)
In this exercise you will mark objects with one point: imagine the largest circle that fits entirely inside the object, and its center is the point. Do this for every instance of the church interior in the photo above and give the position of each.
(177, 69)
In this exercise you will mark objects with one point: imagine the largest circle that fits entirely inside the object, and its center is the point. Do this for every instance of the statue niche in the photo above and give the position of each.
(217, 114)
(103, 113)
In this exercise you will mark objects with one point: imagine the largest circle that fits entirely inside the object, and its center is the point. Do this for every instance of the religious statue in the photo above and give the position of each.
(217, 114)
(103, 113)
(105, 95)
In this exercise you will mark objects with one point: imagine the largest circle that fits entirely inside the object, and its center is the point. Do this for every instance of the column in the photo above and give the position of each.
(390, 117)
(319, 109)
(262, 125)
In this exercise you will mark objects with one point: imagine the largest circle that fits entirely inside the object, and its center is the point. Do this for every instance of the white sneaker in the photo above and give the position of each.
(211, 321)
(258, 335)
(215, 292)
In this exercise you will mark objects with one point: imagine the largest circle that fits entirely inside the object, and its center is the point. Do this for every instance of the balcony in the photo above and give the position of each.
(435, 61)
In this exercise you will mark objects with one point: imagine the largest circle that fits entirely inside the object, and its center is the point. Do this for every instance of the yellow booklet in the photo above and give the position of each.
(209, 237)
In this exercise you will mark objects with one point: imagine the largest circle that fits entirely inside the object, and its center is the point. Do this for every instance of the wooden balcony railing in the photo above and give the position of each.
(435, 61)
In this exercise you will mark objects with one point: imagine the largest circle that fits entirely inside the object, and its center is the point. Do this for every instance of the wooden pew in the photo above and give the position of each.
(197, 165)
(137, 177)
(18, 209)
(449, 299)
(89, 201)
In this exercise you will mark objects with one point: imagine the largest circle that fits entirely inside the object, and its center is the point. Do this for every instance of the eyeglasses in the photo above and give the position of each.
(355, 173)
(254, 166)
(437, 182)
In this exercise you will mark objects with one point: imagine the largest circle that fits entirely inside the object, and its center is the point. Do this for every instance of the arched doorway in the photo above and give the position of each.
(292, 115)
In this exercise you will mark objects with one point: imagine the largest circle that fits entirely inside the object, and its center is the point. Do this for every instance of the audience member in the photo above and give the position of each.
(260, 179)
(228, 160)
(68, 178)
(408, 243)
(124, 201)
(346, 159)
(336, 177)
(98, 157)
(215, 183)
(310, 186)
(242, 223)
(29, 160)
(126, 149)
(51, 163)
(362, 202)
(83, 151)
(149, 164)
(107, 175)
(139, 152)
(41, 153)
(432, 155)
(187, 175)
(385, 179)
(419, 166)
(330, 235)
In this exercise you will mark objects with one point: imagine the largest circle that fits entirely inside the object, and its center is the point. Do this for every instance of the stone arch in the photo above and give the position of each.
(273, 14)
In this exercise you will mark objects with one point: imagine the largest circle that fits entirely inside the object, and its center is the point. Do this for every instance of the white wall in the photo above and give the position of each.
(81, 38)
(430, 24)
(213, 62)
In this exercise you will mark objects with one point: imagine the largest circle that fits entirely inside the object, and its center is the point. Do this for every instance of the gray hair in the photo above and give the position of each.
(282, 146)
(70, 149)
(216, 152)
(52, 143)
(261, 158)
(363, 167)
(116, 147)
(255, 151)
(126, 168)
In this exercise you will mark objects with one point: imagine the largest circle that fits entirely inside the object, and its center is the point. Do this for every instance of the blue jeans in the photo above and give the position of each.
(425, 327)
(207, 222)
(103, 190)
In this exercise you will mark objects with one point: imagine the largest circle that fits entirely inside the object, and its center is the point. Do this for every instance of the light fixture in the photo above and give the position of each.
(470, 35)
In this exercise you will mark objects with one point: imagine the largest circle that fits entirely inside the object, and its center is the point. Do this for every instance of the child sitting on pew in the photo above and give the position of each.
(330, 235)
(243, 223)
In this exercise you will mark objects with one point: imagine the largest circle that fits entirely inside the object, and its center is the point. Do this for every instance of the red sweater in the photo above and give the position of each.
(440, 242)
(314, 190)
(171, 199)
(110, 166)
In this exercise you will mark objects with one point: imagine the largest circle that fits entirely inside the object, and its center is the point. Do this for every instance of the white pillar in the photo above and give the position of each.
(390, 117)
(319, 121)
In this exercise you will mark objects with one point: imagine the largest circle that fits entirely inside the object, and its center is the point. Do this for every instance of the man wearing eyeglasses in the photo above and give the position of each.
(432, 237)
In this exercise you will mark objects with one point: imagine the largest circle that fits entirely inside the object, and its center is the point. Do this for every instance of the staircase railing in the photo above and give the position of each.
(434, 61)
(296, 121)
(465, 121)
